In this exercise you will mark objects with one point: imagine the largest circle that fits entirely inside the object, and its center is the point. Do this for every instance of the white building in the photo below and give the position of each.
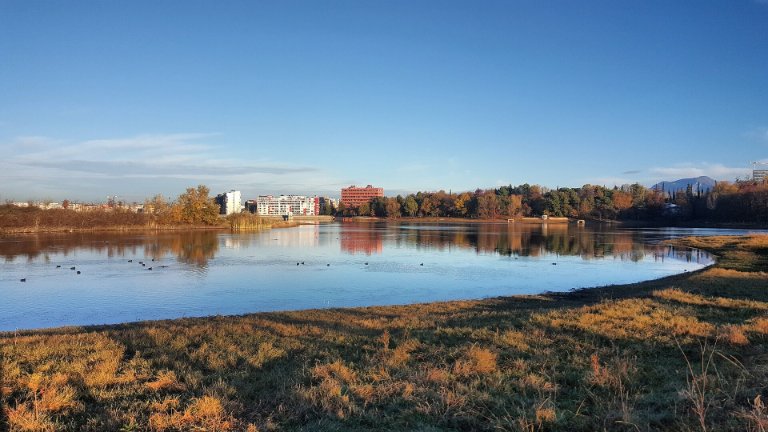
(230, 202)
(293, 205)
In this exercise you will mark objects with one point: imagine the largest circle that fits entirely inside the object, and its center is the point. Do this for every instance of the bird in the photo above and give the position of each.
(150, 268)
(71, 268)
(422, 264)
(153, 259)
(58, 266)
(143, 265)
(297, 263)
(78, 272)
(554, 263)
(23, 280)
(327, 265)
(366, 263)
(302, 263)
(130, 260)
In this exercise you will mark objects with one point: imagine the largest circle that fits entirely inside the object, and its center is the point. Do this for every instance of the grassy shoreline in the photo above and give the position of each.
(686, 352)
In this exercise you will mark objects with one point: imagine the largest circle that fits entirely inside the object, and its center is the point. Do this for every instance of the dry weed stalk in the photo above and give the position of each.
(697, 382)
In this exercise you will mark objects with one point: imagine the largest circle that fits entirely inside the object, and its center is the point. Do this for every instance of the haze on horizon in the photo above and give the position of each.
(139, 98)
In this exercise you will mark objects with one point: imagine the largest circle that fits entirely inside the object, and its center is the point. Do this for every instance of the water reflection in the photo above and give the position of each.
(196, 248)
(508, 240)
(335, 265)
(193, 248)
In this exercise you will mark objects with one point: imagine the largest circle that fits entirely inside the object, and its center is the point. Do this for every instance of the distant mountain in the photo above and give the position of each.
(703, 182)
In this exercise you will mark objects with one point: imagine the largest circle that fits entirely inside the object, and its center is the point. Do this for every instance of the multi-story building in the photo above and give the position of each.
(230, 202)
(291, 205)
(354, 196)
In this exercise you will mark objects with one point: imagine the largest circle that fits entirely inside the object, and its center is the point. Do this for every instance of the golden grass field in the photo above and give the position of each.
(686, 352)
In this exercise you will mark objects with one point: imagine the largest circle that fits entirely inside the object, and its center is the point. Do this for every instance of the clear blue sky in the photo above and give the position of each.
(134, 98)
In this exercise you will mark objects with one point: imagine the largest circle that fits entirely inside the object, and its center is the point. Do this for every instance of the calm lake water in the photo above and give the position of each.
(340, 264)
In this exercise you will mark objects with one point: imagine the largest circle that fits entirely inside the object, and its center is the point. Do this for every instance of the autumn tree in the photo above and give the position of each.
(487, 204)
(514, 205)
(393, 208)
(195, 207)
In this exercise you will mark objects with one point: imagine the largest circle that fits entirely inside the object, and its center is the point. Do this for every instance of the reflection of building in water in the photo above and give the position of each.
(304, 236)
(367, 242)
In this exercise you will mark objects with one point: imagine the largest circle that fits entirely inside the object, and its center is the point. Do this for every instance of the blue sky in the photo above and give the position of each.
(134, 98)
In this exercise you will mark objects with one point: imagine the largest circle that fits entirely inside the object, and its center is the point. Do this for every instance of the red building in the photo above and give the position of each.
(354, 196)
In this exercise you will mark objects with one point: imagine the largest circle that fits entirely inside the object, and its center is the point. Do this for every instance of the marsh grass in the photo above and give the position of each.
(681, 353)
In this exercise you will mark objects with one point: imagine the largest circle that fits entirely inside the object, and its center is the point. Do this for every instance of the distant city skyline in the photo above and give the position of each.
(139, 98)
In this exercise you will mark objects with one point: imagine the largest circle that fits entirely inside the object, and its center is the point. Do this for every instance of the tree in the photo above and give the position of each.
(393, 208)
(488, 205)
(195, 207)
(622, 200)
(364, 209)
(410, 206)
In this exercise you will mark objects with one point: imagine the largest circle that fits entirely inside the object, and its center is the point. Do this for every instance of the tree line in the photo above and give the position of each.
(192, 207)
(741, 201)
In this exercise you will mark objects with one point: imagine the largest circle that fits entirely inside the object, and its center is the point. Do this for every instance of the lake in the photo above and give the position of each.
(342, 264)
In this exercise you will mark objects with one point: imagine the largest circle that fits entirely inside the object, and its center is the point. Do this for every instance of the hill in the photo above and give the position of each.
(703, 182)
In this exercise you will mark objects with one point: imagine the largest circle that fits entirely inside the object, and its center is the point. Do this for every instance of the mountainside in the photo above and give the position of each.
(703, 182)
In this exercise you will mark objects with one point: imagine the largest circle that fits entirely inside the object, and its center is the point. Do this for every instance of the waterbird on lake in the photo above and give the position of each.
(554, 263)
(297, 263)
(366, 263)
(58, 266)
(302, 263)
(422, 264)
(150, 268)
(327, 265)
(130, 260)
(71, 268)
(78, 272)
(23, 280)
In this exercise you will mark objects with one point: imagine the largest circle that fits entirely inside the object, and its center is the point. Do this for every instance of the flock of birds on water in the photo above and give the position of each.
(143, 264)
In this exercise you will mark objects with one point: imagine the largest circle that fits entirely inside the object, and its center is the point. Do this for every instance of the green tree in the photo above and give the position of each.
(410, 206)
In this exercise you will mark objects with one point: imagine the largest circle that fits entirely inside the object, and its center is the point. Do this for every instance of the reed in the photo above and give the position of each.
(248, 222)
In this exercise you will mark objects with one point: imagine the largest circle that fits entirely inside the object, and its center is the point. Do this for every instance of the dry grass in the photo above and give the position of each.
(618, 358)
